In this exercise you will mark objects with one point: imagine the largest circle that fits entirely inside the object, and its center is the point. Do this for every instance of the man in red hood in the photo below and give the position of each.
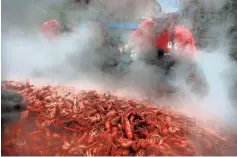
(161, 39)
(162, 34)
(169, 44)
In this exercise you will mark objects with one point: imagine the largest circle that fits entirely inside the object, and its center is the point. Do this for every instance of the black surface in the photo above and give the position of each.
(12, 105)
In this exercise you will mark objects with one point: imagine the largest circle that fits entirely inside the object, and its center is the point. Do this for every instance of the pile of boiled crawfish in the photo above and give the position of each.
(61, 122)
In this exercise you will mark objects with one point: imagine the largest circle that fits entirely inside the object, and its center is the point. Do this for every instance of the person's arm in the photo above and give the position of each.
(187, 49)
(144, 34)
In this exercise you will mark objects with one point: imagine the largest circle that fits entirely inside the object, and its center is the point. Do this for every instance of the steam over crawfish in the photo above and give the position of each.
(60, 122)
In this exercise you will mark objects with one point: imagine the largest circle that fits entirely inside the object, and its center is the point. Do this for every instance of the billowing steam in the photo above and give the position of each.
(219, 70)
(73, 59)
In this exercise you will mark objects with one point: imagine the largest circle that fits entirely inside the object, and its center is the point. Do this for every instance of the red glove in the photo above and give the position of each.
(50, 29)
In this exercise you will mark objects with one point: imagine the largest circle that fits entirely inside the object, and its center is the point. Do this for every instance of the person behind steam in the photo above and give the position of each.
(102, 53)
(160, 41)
(11, 107)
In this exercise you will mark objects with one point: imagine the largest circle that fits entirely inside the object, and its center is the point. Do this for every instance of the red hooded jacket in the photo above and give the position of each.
(50, 29)
(182, 37)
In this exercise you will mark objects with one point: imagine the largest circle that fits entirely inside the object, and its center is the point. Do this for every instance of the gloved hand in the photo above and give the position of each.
(12, 106)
